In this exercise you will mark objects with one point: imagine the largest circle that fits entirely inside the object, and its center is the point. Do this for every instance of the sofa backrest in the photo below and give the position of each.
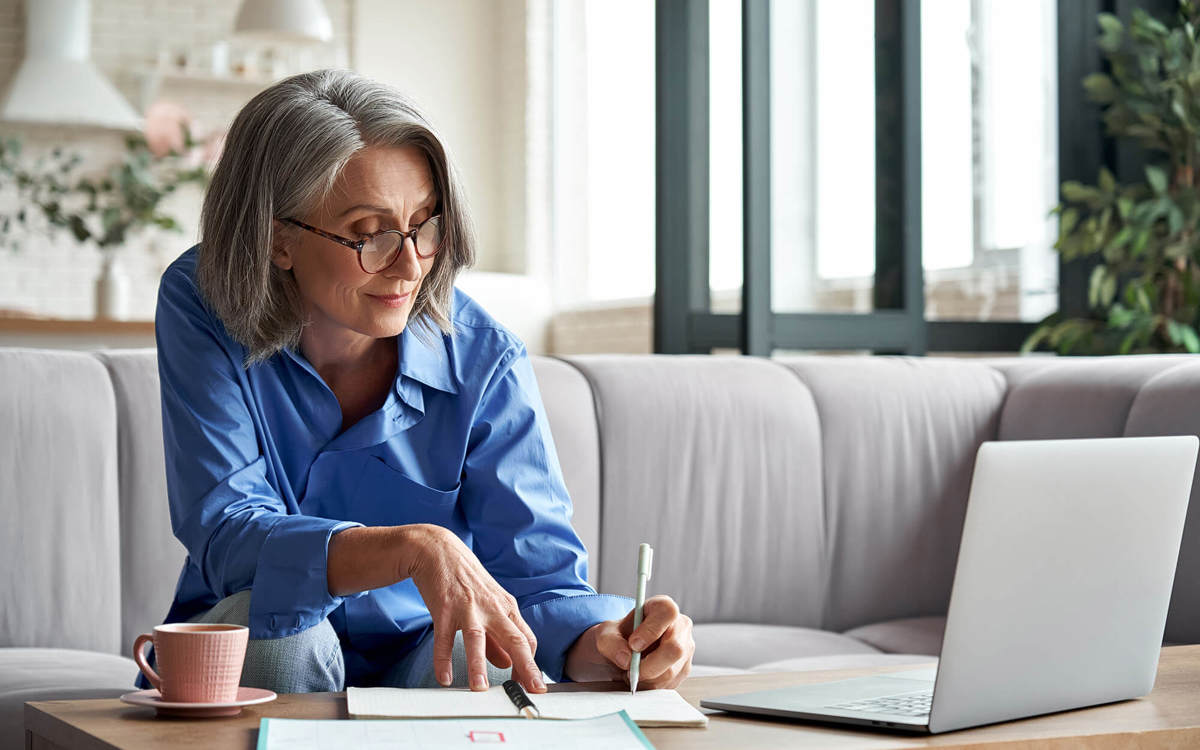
(716, 461)
(59, 565)
(1113, 397)
(151, 556)
(819, 491)
(898, 443)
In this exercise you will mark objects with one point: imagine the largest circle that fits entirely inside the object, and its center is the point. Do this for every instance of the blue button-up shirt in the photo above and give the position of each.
(260, 475)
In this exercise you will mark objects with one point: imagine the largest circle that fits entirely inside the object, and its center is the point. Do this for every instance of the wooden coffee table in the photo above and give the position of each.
(1169, 718)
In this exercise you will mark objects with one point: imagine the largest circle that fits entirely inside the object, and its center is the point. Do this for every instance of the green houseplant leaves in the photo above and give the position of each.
(102, 210)
(1144, 295)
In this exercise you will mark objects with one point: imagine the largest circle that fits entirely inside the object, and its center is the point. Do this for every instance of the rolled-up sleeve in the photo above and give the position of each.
(519, 513)
(239, 533)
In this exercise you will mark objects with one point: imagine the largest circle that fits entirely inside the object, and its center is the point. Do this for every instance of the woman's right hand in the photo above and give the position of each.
(462, 595)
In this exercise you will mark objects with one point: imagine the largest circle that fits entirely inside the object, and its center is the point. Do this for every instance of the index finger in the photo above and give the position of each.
(515, 643)
(657, 615)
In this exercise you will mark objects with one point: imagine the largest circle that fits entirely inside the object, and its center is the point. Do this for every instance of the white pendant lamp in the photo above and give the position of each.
(56, 83)
(284, 21)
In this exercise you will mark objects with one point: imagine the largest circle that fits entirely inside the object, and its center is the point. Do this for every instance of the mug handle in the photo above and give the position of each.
(139, 655)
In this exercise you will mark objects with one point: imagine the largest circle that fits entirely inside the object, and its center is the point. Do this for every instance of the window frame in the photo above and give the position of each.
(683, 317)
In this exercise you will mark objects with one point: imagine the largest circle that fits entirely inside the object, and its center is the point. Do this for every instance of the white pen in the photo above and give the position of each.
(645, 556)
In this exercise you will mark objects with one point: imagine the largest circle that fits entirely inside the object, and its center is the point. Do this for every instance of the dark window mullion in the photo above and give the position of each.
(756, 318)
(681, 171)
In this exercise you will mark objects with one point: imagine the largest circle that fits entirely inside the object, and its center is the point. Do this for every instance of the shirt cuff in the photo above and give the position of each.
(291, 590)
(557, 623)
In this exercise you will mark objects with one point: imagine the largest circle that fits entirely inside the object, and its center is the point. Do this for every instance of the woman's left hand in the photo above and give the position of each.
(665, 639)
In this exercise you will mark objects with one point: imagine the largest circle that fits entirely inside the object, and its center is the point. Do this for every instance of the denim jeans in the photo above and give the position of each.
(311, 661)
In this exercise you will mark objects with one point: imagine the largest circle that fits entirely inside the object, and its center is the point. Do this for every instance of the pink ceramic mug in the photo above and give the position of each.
(199, 662)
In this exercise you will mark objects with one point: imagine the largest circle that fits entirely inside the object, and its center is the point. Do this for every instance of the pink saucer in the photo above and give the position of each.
(245, 697)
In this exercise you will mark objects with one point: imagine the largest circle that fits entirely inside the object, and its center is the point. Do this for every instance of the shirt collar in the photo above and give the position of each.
(429, 365)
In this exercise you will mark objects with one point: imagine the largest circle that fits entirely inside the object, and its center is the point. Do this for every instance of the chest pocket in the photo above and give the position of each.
(387, 497)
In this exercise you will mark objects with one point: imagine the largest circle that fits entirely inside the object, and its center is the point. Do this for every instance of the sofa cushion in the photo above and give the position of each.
(59, 560)
(842, 661)
(744, 645)
(50, 674)
(1169, 404)
(716, 461)
(899, 438)
(911, 635)
(1077, 397)
(151, 556)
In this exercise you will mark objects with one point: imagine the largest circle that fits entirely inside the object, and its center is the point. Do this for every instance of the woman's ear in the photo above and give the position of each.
(281, 254)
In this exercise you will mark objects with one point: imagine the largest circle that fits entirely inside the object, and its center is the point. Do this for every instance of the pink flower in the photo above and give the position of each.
(165, 123)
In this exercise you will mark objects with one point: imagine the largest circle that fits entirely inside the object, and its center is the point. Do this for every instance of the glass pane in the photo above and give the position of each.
(725, 154)
(618, 45)
(822, 155)
(989, 159)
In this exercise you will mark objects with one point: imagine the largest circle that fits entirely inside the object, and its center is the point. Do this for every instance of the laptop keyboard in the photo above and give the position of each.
(904, 704)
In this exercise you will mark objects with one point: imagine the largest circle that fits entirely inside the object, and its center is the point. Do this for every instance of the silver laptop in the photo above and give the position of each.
(1059, 599)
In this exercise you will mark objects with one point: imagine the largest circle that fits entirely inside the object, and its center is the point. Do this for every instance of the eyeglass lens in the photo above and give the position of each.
(382, 249)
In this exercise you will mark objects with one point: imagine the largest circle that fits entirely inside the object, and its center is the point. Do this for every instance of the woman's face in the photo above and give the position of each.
(380, 188)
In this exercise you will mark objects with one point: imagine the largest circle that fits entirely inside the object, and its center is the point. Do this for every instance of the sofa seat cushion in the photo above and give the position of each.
(842, 661)
(910, 635)
(42, 674)
(744, 645)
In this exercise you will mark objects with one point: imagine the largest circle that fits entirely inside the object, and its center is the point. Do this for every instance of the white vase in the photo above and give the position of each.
(112, 289)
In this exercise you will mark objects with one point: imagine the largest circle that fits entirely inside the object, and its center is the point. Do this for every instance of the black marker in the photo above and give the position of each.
(520, 699)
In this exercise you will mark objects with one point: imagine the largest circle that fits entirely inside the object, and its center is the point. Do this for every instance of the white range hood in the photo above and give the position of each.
(56, 82)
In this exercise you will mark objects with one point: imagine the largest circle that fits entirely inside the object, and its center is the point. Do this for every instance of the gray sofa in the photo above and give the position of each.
(806, 512)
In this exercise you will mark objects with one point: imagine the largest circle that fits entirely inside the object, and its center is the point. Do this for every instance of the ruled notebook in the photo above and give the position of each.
(647, 708)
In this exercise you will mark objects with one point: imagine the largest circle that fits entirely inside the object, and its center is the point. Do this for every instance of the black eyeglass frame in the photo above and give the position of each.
(358, 245)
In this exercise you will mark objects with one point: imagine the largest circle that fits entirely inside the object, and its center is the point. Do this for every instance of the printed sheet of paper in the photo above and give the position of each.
(612, 732)
(648, 708)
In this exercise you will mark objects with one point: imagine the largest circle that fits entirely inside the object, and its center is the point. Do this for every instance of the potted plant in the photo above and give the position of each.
(104, 210)
(1144, 294)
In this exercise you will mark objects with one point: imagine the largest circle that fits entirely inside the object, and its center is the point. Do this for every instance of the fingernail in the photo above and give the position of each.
(444, 679)
(478, 682)
(636, 643)
(626, 658)
(537, 683)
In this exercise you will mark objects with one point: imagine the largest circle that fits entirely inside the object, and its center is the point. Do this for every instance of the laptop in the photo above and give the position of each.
(1060, 592)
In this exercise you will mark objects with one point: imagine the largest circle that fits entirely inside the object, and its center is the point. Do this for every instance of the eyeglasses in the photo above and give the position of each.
(377, 252)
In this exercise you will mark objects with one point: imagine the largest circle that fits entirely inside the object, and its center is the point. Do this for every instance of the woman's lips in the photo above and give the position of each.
(391, 300)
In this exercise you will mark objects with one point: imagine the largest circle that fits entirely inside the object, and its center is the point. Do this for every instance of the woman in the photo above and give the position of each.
(358, 461)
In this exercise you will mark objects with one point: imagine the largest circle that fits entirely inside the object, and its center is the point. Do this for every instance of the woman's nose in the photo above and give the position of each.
(408, 265)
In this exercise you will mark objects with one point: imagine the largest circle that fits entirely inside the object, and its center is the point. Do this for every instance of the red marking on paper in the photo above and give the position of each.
(496, 737)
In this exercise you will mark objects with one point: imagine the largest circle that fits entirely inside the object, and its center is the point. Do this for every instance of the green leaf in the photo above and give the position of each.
(1111, 32)
(1143, 301)
(79, 229)
(1179, 249)
(1157, 178)
(1139, 242)
(1119, 316)
(1100, 88)
(1108, 183)
(1077, 192)
(1190, 340)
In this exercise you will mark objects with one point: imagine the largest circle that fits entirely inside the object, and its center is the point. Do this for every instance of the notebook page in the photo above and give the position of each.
(648, 708)
(428, 703)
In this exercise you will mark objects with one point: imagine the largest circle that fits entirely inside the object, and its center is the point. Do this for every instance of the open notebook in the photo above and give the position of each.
(648, 708)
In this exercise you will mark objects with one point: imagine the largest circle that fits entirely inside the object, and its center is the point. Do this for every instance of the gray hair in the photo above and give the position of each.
(282, 155)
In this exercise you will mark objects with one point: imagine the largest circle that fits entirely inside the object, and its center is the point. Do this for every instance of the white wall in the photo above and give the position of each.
(463, 63)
